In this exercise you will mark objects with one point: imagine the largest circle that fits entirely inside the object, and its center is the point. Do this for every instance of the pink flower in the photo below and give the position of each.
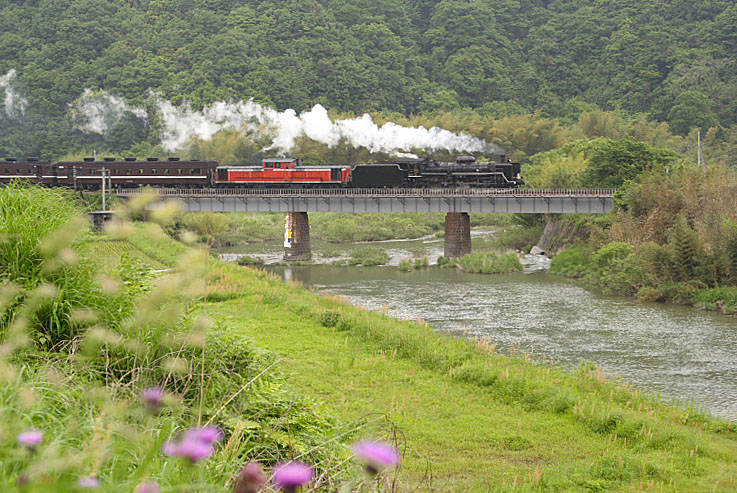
(196, 444)
(193, 450)
(31, 438)
(376, 455)
(209, 435)
(250, 479)
(153, 397)
(89, 482)
(292, 475)
(149, 487)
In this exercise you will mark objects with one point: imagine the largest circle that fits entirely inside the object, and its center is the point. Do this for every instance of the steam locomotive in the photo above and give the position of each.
(274, 172)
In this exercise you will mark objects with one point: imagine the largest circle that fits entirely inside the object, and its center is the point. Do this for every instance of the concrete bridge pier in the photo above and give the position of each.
(297, 237)
(457, 234)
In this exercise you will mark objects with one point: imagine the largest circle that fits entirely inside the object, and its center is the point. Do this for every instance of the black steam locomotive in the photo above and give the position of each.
(272, 173)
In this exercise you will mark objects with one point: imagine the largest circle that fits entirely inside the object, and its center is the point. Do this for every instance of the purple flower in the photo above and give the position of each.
(196, 444)
(149, 487)
(31, 438)
(292, 475)
(376, 455)
(89, 482)
(208, 435)
(193, 450)
(153, 397)
(250, 479)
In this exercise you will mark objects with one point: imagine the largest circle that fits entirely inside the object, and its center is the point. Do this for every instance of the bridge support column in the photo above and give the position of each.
(297, 237)
(457, 234)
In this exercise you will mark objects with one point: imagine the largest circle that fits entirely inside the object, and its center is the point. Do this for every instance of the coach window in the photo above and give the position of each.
(154, 171)
(128, 171)
(17, 171)
(195, 171)
(117, 171)
(140, 171)
(167, 171)
(179, 171)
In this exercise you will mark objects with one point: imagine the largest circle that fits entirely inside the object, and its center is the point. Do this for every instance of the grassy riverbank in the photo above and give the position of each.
(469, 419)
(288, 373)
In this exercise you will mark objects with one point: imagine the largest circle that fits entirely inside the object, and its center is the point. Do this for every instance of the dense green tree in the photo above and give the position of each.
(692, 109)
(613, 162)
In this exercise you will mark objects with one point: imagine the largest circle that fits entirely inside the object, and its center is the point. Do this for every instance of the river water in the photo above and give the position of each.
(686, 355)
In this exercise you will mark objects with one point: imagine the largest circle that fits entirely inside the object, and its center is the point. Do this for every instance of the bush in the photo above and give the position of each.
(572, 262)
(421, 263)
(369, 256)
(247, 260)
(490, 263)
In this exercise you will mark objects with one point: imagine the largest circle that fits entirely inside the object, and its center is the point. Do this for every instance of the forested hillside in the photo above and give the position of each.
(673, 60)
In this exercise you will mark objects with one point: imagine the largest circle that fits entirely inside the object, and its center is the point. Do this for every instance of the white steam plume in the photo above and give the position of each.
(181, 124)
(15, 104)
(98, 111)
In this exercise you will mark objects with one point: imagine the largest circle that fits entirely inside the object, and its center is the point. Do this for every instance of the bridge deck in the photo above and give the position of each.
(387, 200)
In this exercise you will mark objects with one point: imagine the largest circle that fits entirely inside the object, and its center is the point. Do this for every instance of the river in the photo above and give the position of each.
(685, 355)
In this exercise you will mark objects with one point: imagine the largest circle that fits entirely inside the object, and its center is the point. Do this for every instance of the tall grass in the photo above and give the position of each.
(119, 329)
(490, 263)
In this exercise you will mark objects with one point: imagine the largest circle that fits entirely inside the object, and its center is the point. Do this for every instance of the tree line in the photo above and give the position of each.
(661, 60)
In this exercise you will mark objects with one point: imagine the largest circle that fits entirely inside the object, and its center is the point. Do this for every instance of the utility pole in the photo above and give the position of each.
(103, 189)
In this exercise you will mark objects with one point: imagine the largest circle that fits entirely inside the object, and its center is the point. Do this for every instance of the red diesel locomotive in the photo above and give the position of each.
(283, 172)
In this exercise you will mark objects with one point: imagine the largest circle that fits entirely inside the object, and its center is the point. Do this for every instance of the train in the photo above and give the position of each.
(410, 172)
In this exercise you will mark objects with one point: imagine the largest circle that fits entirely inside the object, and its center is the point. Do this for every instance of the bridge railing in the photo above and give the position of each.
(370, 192)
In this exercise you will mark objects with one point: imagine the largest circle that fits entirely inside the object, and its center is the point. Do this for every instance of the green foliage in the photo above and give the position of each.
(686, 249)
(138, 332)
(571, 262)
(247, 260)
(612, 163)
(691, 109)
(730, 249)
(500, 61)
(208, 225)
(369, 256)
(490, 263)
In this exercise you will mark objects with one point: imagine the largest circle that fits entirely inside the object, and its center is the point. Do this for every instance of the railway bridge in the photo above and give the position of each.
(455, 203)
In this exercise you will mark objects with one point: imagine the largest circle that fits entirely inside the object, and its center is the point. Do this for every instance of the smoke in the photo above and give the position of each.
(181, 124)
(98, 111)
(15, 104)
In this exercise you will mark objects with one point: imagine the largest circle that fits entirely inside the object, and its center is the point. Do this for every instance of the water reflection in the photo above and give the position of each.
(686, 354)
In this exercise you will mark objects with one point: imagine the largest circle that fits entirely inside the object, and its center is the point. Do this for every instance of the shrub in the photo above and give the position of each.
(572, 262)
(490, 263)
(247, 260)
(369, 256)
(421, 263)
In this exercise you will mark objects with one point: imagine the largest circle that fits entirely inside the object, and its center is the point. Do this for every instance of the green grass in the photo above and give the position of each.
(490, 263)
(122, 327)
(368, 256)
(468, 418)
